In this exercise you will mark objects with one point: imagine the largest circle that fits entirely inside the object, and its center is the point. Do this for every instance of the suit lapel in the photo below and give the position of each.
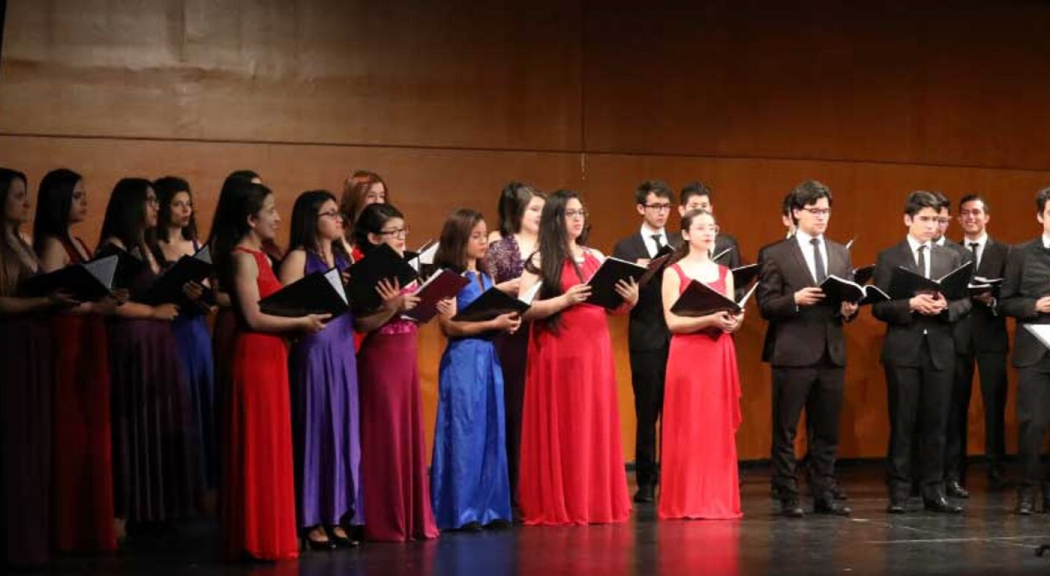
(908, 258)
(800, 261)
(835, 263)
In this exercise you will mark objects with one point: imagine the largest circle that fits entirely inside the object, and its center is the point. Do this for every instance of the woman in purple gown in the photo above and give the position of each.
(325, 419)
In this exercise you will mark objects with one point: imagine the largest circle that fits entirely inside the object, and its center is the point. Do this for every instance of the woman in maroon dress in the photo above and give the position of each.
(153, 462)
(572, 469)
(393, 453)
(26, 362)
(701, 407)
(258, 479)
(82, 471)
(520, 207)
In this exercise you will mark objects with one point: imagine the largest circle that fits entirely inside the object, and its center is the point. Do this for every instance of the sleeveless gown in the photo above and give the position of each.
(258, 476)
(326, 421)
(572, 468)
(699, 475)
(82, 471)
(468, 474)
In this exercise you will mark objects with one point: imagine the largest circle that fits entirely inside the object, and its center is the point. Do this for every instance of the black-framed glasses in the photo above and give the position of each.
(575, 214)
(400, 232)
(333, 214)
(818, 211)
(658, 207)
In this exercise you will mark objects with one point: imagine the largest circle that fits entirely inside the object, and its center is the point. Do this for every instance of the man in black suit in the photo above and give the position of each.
(981, 340)
(649, 340)
(918, 356)
(808, 349)
(1026, 297)
(697, 196)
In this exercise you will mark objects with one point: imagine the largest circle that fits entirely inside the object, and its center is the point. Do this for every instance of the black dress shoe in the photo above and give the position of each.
(338, 541)
(1025, 502)
(941, 505)
(831, 507)
(956, 490)
(320, 544)
(645, 494)
(471, 527)
(837, 492)
(790, 508)
(896, 507)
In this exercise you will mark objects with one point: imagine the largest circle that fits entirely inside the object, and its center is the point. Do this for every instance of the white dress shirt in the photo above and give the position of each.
(807, 252)
(647, 236)
(914, 244)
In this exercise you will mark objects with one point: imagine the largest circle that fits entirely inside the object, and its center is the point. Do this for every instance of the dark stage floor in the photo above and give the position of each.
(988, 538)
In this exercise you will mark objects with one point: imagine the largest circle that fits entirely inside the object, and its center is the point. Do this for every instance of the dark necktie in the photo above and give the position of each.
(659, 239)
(818, 261)
(973, 248)
(922, 261)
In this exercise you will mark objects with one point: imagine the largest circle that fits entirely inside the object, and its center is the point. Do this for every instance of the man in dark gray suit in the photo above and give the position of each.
(649, 339)
(806, 348)
(918, 356)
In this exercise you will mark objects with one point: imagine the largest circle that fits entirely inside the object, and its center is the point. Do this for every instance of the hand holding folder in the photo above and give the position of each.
(607, 283)
(381, 263)
(699, 299)
(838, 290)
(904, 284)
(441, 285)
(88, 282)
(170, 287)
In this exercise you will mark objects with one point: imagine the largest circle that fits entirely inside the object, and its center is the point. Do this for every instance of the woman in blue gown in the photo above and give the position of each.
(176, 237)
(468, 477)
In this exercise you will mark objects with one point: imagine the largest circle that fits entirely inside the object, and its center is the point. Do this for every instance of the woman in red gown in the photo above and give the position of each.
(572, 469)
(394, 481)
(82, 470)
(701, 414)
(258, 483)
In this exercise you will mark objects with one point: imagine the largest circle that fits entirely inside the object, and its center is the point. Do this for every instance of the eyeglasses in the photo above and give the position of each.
(658, 207)
(152, 201)
(399, 233)
(333, 214)
(570, 214)
(818, 211)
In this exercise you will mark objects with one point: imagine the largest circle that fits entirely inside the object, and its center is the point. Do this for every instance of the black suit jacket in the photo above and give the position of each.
(647, 329)
(905, 329)
(800, 334)
(984, 330)
(733, 258)
(1026, 280)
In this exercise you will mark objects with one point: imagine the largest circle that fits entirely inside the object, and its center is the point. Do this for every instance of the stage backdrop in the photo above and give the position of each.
(450, 100)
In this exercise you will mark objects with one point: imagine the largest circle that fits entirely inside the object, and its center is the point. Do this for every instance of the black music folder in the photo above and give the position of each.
(381, 263)
(905, 283)
(88, 282)
(442, 284)
(129, 266)
(656, 264)
(838, 290)
(493, 303)
(864, 274)
(603, 282)
(743, 275)
(317, 293)
(168, 288)
(699, 299)
(981, 285)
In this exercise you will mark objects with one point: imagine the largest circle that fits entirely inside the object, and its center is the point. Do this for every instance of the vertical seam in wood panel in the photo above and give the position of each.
(582, 75)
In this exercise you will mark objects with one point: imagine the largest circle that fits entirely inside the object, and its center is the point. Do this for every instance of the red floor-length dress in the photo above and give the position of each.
(82, 462)
(698, 476)
(572, 468)
(259, 478)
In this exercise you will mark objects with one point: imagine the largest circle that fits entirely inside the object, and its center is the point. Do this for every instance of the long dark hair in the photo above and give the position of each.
(687, 220)
(234, 180)
(554, 248)
(10, 262)
(243, 199)
(126, 214)
(54, 200)
(513, 200)
(455, 235)
(304, 222)
(371, 221)
(166, 188)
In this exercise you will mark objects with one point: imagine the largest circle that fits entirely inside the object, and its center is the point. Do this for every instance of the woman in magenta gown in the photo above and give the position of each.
(572, 469)
(699, 477)
(393, 452)
(258, 479)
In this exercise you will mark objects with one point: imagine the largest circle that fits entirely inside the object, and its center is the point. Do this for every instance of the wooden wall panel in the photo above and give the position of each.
(930, 81)
(449, 101)
(465, 74)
